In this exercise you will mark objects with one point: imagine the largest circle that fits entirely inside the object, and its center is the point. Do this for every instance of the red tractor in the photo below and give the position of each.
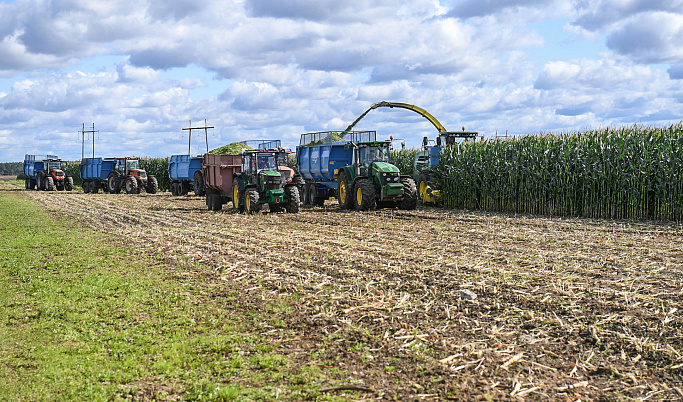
(127, 175)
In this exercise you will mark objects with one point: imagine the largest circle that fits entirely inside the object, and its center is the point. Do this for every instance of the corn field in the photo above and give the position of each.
(625, 173)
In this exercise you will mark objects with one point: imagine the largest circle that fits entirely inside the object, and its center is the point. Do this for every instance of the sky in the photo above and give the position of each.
(141, 71)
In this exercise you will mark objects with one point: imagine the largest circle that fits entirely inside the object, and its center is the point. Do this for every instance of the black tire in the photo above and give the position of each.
(216, 202)
(69, 183)
(152, 185)
(237, 201)
(305, 195)
(311, 195)
(409, 201)
(27, 183)
(94, 188)
(40, 183)
(131, 185)
(299, 181)
(364, 195)
(293, 200)
(113, 184)
(199, 188)
(422, 184)
(86, 187)
(59, 186)
(174, 190)
(251, 198)
(184, 187)
(32, 184)
(344, 193)
(49, 184)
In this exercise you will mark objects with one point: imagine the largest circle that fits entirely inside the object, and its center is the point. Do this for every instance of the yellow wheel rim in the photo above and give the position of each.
(342, 191)
(247, 202)
(423, 189)
(359, 196)
(236, 196)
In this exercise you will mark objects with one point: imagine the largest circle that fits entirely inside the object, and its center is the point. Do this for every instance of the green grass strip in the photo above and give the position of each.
(85, 318)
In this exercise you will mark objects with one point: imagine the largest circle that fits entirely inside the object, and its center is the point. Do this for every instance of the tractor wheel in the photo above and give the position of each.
(49, 184)
(344, 193)
(131, 185)
(199, 188)
(113, 185)
(364, 195)
(292, 193)
(251, 204)
(69, 183)
(86, 187)
(409, 201)
(237, 202)
(299, 181)
(59, 186)
(152, 185)
(422, 184)
(305, 194)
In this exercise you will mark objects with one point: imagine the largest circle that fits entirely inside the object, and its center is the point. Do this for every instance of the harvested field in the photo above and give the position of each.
(565, 309)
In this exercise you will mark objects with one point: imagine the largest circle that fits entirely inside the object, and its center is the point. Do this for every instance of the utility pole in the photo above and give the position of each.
(83, 140)
(189, 139)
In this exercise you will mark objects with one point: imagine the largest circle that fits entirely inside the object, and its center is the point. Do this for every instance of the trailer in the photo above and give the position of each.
(185, 172)
(248, 180)
(45, 172)
(353, 167)
(115, 174)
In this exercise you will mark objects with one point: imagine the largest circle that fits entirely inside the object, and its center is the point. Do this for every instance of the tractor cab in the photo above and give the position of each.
(53, 167)
(131, 166)
(450, 138)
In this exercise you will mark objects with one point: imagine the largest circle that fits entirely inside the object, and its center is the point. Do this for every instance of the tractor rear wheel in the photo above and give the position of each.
(293, 200)
(49, 184)
(152, 185)
(409, 201)
(364, 195)
(131, 185)
(344, 196)
(199, 188)
(69, 183)
(237, 202)
(251, 204)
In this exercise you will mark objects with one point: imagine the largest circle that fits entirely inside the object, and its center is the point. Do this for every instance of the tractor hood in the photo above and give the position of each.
(384, 167)
(270, 173)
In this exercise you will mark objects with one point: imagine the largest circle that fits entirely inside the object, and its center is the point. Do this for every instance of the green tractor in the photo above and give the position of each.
(260, 182)
(373, 180)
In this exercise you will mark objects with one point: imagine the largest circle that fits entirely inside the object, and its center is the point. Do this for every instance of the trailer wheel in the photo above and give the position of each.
(364, 195)
(184, 187)
(86, 187)
(152, 185)
(311, 195)
(237, 203)
(131, 185)
(293, 199)
(304, 195)
(216, 202)
(94, 188)
(344, 193)
(113, 184)
(39, 182)
(27, 183)
(251, 204)
(409, 201)
(199, 188)
(69, 183)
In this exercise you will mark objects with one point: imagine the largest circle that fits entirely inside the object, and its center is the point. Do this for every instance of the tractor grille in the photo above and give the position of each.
(272, 183)
(59, 174)
(143, 175)
(392, 177)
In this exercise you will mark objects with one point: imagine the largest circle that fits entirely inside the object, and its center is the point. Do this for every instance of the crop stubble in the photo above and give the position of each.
(566, 308)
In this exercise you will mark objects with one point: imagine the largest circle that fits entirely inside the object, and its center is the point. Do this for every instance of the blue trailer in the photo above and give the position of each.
(353, 167)
(185, 172)
(45, 172)
(115, 174)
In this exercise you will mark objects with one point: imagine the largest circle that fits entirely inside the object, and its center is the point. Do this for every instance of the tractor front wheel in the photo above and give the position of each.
(344, 193)
(152, 185)
(409, 201)
(251, 204)
(69, 183)
(293, 200)
(364, 195)
(131, 185)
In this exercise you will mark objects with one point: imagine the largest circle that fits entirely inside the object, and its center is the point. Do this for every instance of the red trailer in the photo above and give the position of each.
(219, 175)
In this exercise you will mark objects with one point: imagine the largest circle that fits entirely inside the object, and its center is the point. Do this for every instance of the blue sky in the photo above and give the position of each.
(273, 70)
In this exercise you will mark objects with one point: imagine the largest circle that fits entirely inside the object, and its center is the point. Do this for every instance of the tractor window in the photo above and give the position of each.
(52, 165)
(266, 162)
(133, 164)
(371, 154)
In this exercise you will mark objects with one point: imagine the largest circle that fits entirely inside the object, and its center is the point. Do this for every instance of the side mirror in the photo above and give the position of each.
(438, 141)
(425, 141)
(346, 146)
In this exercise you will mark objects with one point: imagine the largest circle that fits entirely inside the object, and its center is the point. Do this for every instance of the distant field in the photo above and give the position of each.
(346, 305)
(2, 177)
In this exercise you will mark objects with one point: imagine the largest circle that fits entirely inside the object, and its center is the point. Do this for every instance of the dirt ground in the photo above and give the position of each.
(436, 304)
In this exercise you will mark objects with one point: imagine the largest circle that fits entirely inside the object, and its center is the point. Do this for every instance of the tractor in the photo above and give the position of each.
(128, 175)
(46, 174)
